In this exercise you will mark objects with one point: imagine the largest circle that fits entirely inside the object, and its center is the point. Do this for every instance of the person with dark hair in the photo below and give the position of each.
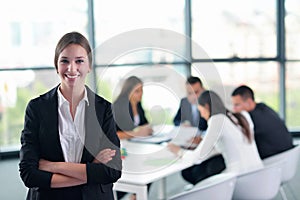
(130, 116)
(69, 146)
(270, 132)
(188, 114)
(228, 133)
(128, 111)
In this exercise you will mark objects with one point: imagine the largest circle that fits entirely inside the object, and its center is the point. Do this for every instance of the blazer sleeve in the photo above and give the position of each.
(141, 111)
(122, 115)
(30, 150)
(177, 118)
(110, 172)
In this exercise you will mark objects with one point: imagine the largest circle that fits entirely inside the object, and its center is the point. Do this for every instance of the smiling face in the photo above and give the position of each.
(73, 66)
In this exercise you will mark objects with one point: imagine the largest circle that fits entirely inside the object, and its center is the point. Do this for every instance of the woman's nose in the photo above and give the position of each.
(72, 67)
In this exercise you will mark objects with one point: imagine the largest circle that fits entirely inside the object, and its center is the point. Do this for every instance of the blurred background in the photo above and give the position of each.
(246, 42)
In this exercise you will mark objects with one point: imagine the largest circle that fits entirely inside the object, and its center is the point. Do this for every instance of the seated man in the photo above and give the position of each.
(270, 132)
(188, 114)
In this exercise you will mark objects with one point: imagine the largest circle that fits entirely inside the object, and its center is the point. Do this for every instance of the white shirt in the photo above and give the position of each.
(195, 114)
(225, 137)
(72, 133)
(136, 120)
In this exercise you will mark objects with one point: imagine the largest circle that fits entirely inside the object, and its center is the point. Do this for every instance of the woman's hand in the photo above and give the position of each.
(143, 131)
(64, 173)
(105, 156)
(174, 148)
(195, 140)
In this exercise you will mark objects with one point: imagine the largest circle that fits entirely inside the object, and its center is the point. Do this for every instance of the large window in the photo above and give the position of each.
(292, 22)
(293, 95)
(118, 25)
(30, 31)
(15, 94)
(261, 76)
(164, 86)
(150, 39)
(232, 28)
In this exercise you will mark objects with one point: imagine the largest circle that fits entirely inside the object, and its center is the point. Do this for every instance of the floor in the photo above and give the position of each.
(13, 189)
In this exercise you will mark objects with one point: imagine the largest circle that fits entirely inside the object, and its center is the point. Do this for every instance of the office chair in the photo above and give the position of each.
(290, 159)
(217, 187)
(258, 184)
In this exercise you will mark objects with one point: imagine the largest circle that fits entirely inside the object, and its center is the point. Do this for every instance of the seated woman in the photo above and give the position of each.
(128, 111)
(129, 114)
(228, 133)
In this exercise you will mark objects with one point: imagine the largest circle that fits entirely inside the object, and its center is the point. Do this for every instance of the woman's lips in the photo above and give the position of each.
(72, 76)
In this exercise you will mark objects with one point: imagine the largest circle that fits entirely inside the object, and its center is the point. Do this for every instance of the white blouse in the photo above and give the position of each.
(71, 133)
(225, 137)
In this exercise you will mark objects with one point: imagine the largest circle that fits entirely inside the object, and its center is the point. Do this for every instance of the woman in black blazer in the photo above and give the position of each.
(130, 115)
(128, 111)
(70, 149)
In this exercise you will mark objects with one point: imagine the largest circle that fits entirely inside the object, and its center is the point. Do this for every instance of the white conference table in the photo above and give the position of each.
(146, 163)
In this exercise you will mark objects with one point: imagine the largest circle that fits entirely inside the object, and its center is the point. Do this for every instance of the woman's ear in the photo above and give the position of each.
(207, 108)
(204, 111)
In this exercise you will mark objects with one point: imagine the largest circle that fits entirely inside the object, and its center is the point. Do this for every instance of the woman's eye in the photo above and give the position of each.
(79, 61)
(64, 61)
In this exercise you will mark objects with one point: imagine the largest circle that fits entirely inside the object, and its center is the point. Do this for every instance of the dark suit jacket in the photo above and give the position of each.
(40, 139)
(184, 113)
(270, 132)
(124, 116)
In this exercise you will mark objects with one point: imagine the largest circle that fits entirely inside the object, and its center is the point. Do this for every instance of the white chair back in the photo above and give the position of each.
(217, 187)
(259, 184)
(290, 159)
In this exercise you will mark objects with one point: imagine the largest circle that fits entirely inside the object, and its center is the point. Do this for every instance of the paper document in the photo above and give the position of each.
(179, 135)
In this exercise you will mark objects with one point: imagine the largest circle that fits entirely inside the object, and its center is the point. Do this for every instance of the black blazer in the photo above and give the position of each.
(40, 139)
(270, 132)
(184, 113)
(124, 115)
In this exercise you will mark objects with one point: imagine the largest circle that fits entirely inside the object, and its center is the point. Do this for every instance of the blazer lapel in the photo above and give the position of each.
(92, 130)
(50, 109)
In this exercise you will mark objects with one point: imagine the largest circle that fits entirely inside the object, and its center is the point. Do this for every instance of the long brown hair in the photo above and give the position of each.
(128, 86)
(216, 106)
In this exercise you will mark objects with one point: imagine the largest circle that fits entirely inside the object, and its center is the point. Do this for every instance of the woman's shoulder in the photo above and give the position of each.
(217, 119)
(247, 116)
(93, 96)
(49, 95)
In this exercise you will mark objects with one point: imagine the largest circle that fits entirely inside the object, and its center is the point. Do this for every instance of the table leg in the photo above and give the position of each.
(162, 190)
(140, 190)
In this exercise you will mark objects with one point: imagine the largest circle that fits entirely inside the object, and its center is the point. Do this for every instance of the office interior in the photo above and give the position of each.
(225, 43)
